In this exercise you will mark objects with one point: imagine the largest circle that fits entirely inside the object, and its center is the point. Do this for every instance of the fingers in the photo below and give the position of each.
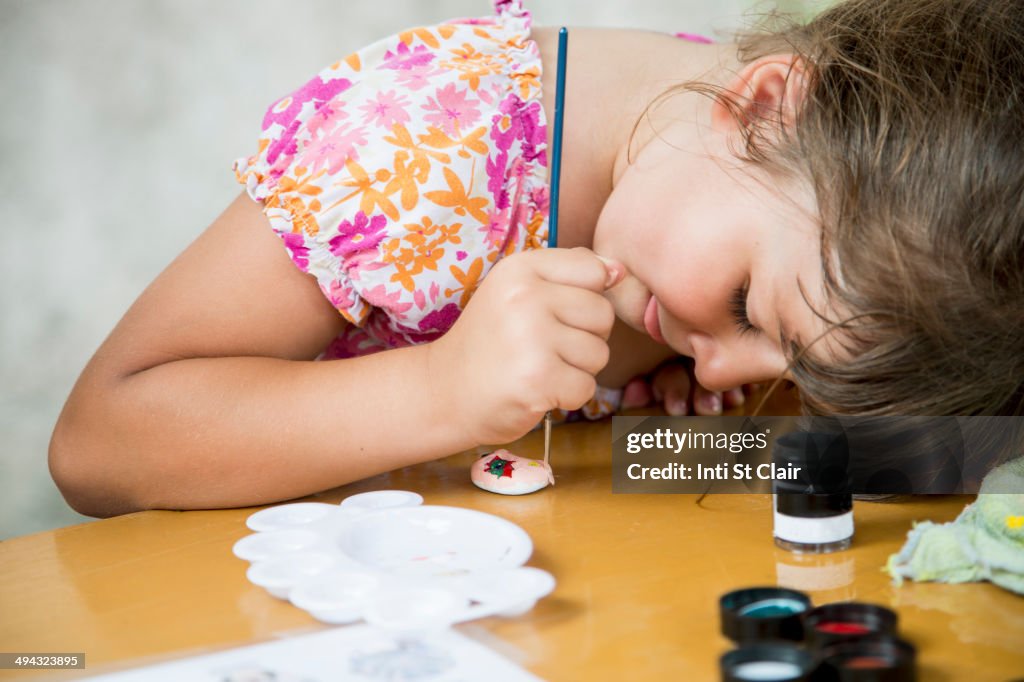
(707, 403)
(582, 350)
(573, 387)
(674, 387)
(671, 385)
(578, 267)
(566, 282)
(581, 309)
(531, 339)
(734, 397)
(637, 393)
(710, 403)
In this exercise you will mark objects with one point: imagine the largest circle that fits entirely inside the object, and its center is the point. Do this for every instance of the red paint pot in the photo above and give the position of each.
(838, 627)
(837, 622)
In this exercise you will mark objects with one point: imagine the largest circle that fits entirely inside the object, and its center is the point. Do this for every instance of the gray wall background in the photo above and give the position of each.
(120, 122)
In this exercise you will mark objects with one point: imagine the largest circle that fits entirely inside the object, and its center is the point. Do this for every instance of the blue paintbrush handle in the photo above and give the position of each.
(556, 168)
(556, 151)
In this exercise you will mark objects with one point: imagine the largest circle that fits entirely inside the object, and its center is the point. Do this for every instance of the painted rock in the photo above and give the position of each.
(507, 474)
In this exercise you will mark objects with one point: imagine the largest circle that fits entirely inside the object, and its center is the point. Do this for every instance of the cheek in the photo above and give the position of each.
(651, 233)
(609, 228)
(628, 219)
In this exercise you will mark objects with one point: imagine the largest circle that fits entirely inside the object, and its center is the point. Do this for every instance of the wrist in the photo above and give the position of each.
(445, 393)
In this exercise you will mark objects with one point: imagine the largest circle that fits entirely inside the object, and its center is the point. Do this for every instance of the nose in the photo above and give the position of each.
(721, 364)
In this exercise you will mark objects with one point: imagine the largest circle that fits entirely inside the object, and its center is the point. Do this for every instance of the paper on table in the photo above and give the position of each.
(360, 653)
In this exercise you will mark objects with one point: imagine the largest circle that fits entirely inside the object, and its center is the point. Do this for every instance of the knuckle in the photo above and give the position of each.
(592, 268)
(533, 381)
(513, 295)
(582, 390)
(518, 292)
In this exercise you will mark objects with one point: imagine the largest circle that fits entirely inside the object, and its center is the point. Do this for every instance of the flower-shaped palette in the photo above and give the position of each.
(383, 558)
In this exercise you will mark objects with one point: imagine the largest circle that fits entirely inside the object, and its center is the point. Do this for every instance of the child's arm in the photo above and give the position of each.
(204, 394)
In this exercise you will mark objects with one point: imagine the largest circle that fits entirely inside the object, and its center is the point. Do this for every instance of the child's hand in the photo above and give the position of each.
(673, 385)
(531, 339)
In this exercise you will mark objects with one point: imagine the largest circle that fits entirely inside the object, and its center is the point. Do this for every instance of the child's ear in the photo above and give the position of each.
(767, 90)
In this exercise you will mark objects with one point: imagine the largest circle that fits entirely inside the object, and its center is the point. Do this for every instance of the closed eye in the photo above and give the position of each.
(738, 310)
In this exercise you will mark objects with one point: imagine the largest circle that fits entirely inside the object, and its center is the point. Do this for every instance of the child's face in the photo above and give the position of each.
(711, 244)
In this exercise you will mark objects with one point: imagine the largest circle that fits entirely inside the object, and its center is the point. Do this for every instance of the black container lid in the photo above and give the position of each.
(813, 506)
(848, 620)
(763, 613)
(868, 659)
(787, 663)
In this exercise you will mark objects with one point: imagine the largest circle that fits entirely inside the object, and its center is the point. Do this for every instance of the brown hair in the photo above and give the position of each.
(911, 133)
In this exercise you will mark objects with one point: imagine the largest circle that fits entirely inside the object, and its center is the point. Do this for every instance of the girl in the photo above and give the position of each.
(845, 208)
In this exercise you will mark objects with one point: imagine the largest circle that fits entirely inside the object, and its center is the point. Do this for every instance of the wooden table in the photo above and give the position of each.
(639, 578)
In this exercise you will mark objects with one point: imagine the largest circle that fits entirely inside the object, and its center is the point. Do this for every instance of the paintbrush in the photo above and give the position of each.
(556, 167)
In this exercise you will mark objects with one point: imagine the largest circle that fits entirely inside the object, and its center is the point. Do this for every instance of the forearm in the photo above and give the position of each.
(222, 432)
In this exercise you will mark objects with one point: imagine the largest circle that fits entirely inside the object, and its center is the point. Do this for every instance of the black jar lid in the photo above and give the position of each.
(838, 622)
(877, 658)
(763, 613)
(776, 661)
(812, 506)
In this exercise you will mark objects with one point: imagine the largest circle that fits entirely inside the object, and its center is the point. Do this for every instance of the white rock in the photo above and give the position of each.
(507, 474)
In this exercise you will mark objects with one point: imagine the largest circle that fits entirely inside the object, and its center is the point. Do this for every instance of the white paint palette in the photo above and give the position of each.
(386, 559)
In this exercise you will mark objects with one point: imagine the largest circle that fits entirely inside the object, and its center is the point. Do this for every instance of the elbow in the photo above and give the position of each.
(83, 477)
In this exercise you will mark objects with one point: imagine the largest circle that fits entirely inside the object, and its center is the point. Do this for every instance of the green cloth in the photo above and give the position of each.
(986, 542)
